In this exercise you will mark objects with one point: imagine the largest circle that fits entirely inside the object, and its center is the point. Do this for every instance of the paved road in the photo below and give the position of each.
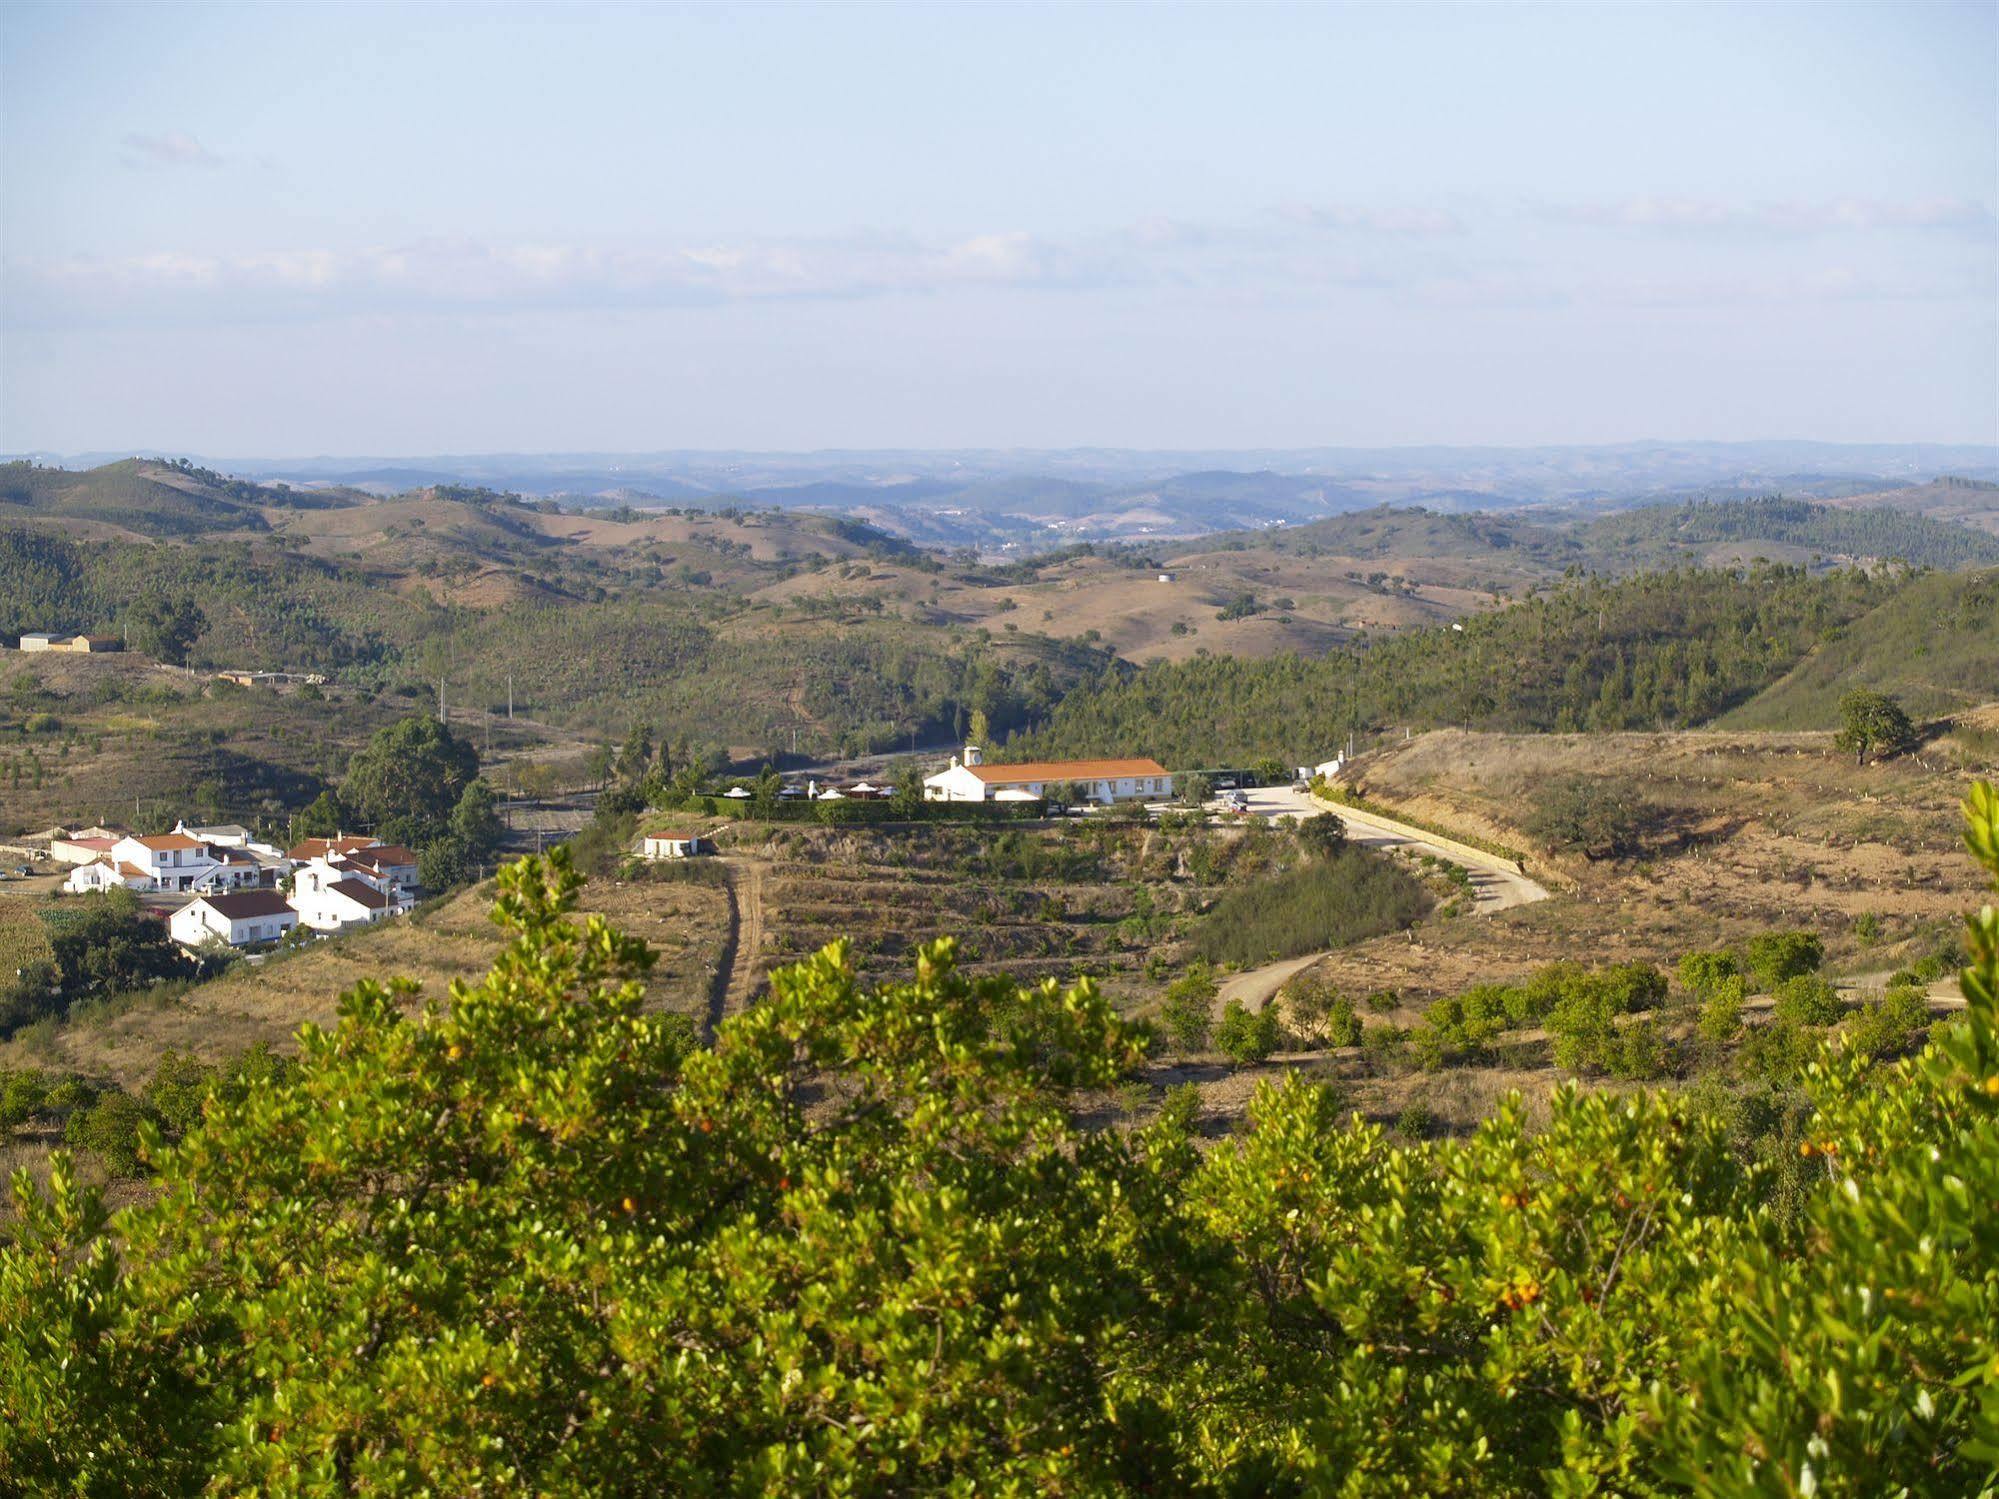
(1496, 884)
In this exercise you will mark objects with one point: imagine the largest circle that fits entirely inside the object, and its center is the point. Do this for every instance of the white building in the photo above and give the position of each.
(676, 844)
(242, 919)
(388, 865)
(84, 846)
(105, 873)
(168, 862)
(222, 835)
(972, 780)
(333, 905)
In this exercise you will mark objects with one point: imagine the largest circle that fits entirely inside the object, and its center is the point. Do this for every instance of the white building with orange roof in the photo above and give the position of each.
(971, 779)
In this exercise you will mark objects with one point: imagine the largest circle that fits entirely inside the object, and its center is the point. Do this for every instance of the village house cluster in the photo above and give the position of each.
(242, 892)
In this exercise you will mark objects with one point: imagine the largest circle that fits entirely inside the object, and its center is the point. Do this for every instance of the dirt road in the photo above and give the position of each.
(1496, 884)
(737, 976)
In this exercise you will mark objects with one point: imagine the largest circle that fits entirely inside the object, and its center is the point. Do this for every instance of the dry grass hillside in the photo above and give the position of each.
(1744, 833)
(1302, 604)
(265, 1003)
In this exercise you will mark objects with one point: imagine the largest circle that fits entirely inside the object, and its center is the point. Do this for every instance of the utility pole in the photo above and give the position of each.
(510, 695)
(440, 703)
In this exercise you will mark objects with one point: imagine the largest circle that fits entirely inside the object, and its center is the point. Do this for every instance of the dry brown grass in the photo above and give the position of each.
(1749, 832)
(266, 1003)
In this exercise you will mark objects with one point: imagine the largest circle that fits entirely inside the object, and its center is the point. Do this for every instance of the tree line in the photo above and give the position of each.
(1652, 651)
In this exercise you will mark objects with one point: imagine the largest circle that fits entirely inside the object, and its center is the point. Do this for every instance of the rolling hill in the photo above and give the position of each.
(1934, 645)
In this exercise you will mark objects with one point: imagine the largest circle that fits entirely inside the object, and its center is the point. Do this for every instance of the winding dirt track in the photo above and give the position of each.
(1496, 884)
(737, 976)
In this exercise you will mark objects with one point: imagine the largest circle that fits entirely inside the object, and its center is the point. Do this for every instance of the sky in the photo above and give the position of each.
(288, 230)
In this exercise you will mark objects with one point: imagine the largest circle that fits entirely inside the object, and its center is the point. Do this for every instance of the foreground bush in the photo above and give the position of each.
(534, 1240)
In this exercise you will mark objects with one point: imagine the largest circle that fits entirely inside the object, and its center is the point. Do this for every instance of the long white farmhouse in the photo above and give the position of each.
(970, 779)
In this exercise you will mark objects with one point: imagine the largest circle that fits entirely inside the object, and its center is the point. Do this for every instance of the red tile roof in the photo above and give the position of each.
(161, 842)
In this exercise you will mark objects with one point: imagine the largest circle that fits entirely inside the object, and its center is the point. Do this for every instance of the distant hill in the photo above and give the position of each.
(1969, 502)
(1665, 535)
(156, 497)
(1386, 532)
(145, 498)
(1934, 645)
(1043, 499)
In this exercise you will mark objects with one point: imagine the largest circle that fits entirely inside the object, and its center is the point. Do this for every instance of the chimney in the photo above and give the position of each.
(972, 755)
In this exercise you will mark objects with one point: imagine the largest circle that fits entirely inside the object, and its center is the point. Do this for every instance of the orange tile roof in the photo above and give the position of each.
(1047, 771)
(164, 841)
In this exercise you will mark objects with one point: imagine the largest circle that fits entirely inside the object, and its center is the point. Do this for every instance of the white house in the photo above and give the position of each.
(41, 640)
(106, 873)
(173, 861)
(167, 861)
(222, 835)
(334, 905)
(677, 843)
(388, 865)
(235, 869)
(242, 919)
(972, 780)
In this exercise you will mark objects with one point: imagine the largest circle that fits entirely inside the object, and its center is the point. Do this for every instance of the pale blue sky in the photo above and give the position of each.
(286, 229)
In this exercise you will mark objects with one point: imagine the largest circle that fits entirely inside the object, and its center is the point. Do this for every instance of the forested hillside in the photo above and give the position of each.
(1657, 650)
(1934, 645)
(1661, 534)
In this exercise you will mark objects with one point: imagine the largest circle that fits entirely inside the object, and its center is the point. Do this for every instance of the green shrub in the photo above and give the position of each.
(1807, 999)
(1721, 1010)
(1189, 1007)
(1886, 1027)
(1702, 973)
(1245, 1036)
(109, 1129)
(1776, 956)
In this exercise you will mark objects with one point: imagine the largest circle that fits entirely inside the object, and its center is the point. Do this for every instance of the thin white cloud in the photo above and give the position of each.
(173, 149)
(1422, 255)
(1697, 215)
(1356, 218)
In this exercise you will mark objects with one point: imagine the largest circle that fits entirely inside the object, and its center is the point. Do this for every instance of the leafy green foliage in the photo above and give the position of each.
(165, 625)
(98, 945)
(1807, 999)
(533, 1239)
(1247, 1036)
(407, 780)
(1189, 1007)
(1323, 835)
(1873, 723)
(1330, 902)
(1776, 956)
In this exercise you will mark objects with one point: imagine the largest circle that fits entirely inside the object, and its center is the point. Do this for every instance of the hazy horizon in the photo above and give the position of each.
(540, 229)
